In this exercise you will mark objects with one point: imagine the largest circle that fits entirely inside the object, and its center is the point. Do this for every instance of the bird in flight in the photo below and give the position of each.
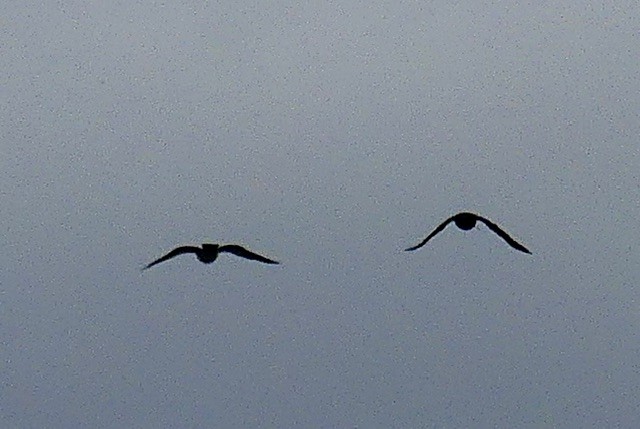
(209, 253)
(467, 221)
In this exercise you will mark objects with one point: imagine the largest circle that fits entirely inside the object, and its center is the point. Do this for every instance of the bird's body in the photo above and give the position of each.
(467, 221)
(208, 253)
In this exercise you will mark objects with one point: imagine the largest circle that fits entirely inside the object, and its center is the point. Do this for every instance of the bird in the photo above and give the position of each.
(209, 253)
(467, 221)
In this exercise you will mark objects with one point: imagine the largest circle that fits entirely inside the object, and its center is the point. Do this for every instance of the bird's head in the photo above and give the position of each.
(210, 246)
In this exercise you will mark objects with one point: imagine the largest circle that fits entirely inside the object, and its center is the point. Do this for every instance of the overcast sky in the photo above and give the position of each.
(328, 136)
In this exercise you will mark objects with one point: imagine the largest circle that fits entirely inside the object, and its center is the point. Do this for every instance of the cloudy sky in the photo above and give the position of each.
(329, 136)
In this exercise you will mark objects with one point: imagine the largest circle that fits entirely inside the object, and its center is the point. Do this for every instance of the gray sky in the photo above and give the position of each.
(329, 136)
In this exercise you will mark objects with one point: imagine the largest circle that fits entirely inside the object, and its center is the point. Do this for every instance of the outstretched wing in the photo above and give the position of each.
(175, 252)
(495, 228)
(244, 253)
(435, 231)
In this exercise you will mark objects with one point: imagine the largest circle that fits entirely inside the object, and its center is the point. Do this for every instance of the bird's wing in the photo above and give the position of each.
(495, 228)
(244, 253)
(175, 252)
(435, 231)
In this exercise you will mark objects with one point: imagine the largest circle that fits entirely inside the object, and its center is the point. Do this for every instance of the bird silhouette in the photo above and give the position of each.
(209, 253)
(467, 221)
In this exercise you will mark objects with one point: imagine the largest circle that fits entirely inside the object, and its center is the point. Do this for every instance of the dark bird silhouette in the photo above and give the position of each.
(209, 253)
(467, 221)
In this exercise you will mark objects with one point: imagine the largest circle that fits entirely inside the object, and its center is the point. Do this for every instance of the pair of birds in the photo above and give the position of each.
(209, 252)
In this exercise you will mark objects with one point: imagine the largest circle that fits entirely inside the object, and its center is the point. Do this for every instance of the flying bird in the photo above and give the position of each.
(467, 221)
(209, 253)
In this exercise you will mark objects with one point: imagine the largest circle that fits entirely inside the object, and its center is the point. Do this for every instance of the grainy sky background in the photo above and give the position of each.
(330, 136)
